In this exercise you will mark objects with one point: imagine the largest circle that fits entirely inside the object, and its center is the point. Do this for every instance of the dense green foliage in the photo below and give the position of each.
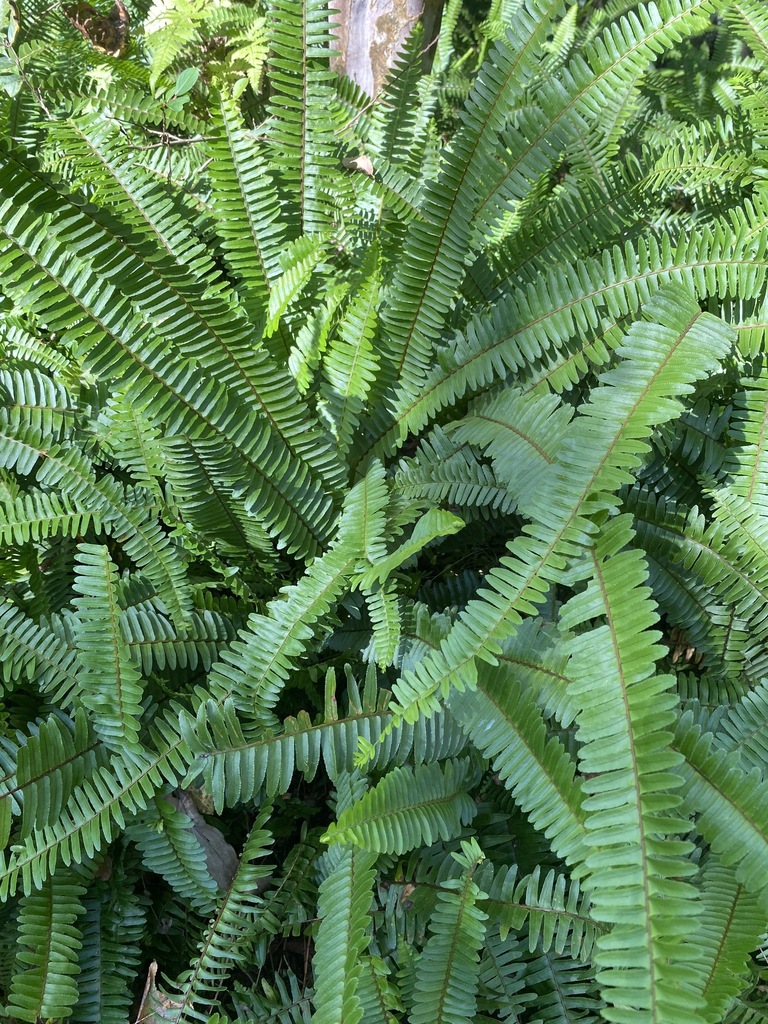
(384, 555)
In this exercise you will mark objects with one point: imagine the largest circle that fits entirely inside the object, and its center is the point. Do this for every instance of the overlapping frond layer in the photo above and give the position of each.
(300, 140)
(636, 861)
(54, 759)
(438, 246)
(350, 365)
(228, 939)
(244, 198)
(112, 928)
(109, 683)
(661, 360)
(31, 651)
(729, 928)
(163, 834)
(556, 910)
(503, 722)
(719, 791)
(94, 813)
(236, 769)
(127, 316)
(550, 331)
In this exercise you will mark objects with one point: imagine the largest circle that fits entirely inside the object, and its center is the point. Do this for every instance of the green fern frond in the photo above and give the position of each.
(344, 903)
(719, 790)
(447, 970)
(556, 909)
(49, 942)
(112, 930)
(630, 772)
(235, 768)
(245, 207)
(31, 651)
(169, 847)
(743, 728)
(505, 725)
(729, 928)
(300, 141)
(110, 686)
(230, 932)
(350, 365)
(54, 759)
(408, 808)
(634, 397)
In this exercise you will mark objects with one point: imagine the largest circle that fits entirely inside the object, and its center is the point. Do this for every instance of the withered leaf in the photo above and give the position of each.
(106, 32)
(360, 163)
(221, 859)
(156, 1006)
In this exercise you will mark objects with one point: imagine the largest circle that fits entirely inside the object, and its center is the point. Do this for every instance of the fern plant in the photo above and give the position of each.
(384, 550)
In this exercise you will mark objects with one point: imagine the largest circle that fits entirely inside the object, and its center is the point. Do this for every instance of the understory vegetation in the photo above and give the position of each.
(384, 517)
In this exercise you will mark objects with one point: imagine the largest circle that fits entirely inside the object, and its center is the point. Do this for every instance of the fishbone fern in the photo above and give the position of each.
(410, 525)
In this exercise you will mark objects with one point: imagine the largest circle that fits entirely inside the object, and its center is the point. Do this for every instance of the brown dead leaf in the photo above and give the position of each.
(156, 1006)
(360, 163)
(221, 858)
(107, 33)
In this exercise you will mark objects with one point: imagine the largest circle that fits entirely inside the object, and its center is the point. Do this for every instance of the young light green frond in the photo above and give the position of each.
(49, 942)
(433, 524)
(298, 263)
(635, 859)
(344, 904)
(383, 604)
(300, 140)
(245, 207)
(350, 365)
(661, 359)
(505, 725)
(407, 809)
(228, 939)
(170, 28)
(448, 969)
(730, 926)
(109, 683)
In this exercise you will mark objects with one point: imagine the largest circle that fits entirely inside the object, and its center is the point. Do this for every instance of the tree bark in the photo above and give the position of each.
(372, 32)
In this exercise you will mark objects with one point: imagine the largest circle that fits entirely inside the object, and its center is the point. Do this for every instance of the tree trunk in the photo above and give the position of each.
(372, 32)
